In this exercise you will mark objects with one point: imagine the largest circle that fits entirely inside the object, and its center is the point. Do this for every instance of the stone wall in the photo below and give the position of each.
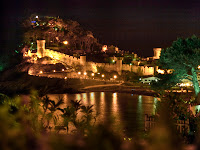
(90, 66)
(67, 59)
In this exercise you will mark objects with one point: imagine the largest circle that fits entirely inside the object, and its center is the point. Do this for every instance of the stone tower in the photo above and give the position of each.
(40, 48)
(83, 60)
(157, 52)
(119, 66)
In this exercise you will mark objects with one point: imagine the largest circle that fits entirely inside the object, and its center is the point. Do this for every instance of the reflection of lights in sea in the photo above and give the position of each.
(139, 108)
(84, 98)
(140, 98)
(92, 98)
(154, 105)
(115, 102)
(78, 96)
(102, 95)
(102, 106)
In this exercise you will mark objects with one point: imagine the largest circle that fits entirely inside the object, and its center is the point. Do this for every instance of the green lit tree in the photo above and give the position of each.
(183, 57)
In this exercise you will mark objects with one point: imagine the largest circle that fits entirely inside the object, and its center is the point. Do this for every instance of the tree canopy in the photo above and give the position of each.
(183, 57)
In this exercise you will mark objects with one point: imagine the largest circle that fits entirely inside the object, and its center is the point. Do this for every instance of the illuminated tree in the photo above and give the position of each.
(183, 57)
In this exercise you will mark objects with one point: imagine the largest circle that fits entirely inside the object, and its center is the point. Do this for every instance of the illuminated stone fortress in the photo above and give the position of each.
(118, 66)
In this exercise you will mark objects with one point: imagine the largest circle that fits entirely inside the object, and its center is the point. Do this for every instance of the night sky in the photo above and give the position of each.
(137, 25)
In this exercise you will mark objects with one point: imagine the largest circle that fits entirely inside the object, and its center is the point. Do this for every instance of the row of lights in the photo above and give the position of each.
(53, 71)
(85, 73)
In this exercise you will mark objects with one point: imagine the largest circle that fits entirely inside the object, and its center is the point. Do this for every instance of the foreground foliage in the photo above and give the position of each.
(42, 123)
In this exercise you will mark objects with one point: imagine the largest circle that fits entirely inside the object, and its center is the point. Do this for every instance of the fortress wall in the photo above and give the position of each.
(147, 70)
(61, 57)
(91, 66)
(110, 67)
(135, 68)
(126, 67)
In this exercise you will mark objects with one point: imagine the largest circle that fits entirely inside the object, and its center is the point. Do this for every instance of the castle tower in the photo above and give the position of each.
(40, 48)
(119, 66)
(83, 60)
(157, 52)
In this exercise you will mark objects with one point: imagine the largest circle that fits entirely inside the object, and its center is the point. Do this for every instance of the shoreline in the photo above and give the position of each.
(122, 89)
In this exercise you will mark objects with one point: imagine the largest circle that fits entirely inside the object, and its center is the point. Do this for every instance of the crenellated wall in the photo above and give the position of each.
(67, 59)
(146, 70)
(91, 66)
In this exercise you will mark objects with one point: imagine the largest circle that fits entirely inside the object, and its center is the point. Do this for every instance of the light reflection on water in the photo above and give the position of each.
(128, 110)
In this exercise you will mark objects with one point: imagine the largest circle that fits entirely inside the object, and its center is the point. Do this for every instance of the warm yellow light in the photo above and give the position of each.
(160, 71)
(199, 67)
(79, 72)
(185, 84)
(103, 75)
(54, 70)
(115, 76)
(92, 74)
(63, 69)
(65, 42)
(85, 73)
(65, 77)
(36, 16)
(41, 71)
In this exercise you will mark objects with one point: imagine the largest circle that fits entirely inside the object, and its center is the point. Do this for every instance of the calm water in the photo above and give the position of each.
(126, 109)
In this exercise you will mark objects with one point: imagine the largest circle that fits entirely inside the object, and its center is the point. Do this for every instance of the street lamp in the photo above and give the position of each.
(103, 75)
(65, 42)
(79, 72)
(85, 73)
(115, 77)
(92, 74)
(131, 66)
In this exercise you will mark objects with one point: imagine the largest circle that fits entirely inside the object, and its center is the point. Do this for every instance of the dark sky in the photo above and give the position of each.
(137, 25)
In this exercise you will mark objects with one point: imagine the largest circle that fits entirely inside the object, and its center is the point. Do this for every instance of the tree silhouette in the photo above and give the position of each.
(183, 57)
